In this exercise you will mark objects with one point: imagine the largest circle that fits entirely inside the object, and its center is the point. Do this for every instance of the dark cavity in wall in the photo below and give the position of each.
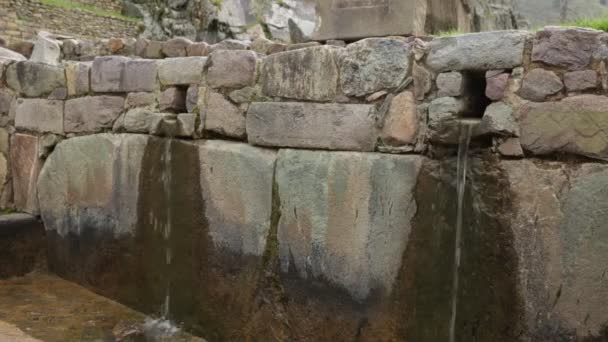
(475, 94)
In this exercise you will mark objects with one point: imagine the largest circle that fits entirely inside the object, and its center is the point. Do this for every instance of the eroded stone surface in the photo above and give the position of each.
(25, 166)
(181, 71)
(92, 114)
(231, 69)
(580, 80)
(401, 122)
(39, 115)
(222, 117)
(34, 79)
(78, 78)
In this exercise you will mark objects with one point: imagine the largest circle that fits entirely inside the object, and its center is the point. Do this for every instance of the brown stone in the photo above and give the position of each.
(580, 80)
(566, 47)
(231, 69)
(401, 122)
(25, 166)
(173, 99)
(496, 86)
(538, 84)
(222, 117)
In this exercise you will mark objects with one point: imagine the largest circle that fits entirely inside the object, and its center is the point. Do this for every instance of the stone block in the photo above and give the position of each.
(498, 119)
(191, 98)
(231, 69)
(580, 80)
(335, 222)
(400, 125)
(25, 166)
(306, 74)
(6, 98)
(567, 47)
(35, 79)
(46, 50)
(496, 85)
(222, 117)
(477, 51)
(92, 114)
(181, 71)
(176, 47)
(140, 75)
(137, 120)
(39, 115)
(198, 49)
(153, 50)
(173, 99)
(186, 125)
(538, 84)
(575, 125)
(373, 64)
(135, 100)
(450, 84)
(107, 74)
(11, 55)
(312, 125)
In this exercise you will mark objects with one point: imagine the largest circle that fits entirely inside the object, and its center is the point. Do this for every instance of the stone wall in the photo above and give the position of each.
(310, 194)
(21, 19)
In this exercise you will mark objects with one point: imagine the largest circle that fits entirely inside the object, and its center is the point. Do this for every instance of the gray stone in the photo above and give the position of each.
(498, 119)
(231, 69)
(4, 141)
(34, 79)
(191, 98)
(237, 183)
(135, 100)
(496, 85)
(181, 71)
(138, 120)
(58, 94)
(107, 74)
(373, 64)
(311, 125)
(538, 84)
(46, 50)
(25, 166)
(450, 84)
(423, 82)
(446, 105)
(172, 99)
(230, 44)
(5, 101)
(477, 51)
(576, 125)
(140, 75)
(78, 78)
(47, 143)
(11, 55)
(153, 50)
(39, 115)
(92, 114)
(176, 47)
(306, 74)
(400, 124)
(198, 49)
(243, 95)
(335, 221)
(298, 46)
(222, 117)
(266, 46)
(566, 47)
(580, 80)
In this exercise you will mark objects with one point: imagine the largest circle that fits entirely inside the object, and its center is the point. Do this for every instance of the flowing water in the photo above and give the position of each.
(466, 129)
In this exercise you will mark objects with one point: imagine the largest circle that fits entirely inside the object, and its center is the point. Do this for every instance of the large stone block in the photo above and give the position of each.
(221, 116)
(477, 51)
(305, 74)
(39, 115)
(566, 47)
(577, 125)
(92, 114)
(78, 78)
(25, 166)
(312, 125)
(346, 217)
(140, 75)
(400, 124)
(181, 71)
(539, 83)
(231, 69)
(373, 64)
(35, 79)
(107, 74)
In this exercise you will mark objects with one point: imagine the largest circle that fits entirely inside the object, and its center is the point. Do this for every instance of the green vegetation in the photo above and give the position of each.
(595, 23)
(93, 9)
(448, 33)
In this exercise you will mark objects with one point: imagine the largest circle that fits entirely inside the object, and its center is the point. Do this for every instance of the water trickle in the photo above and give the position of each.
(466, 130)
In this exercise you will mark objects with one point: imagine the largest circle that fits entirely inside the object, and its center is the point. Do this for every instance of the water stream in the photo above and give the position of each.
(466, 130)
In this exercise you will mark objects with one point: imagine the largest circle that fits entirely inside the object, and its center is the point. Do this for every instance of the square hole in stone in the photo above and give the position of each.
(474, 94)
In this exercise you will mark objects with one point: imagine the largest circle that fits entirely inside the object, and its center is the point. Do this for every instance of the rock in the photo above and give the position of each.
(498, 119)
(25, 166)
(176, 47)
(335, 42)
(373, 64)
(140, 46)
(198, 49)
(311, 125)
(140, 75)
(567, 47)
(186, 124)
(46, 50)
(511, 147)
(422, 81)
(477, 51)
(58, 94)
(243, 95)
(450, 84)
(6, 98)
(39, 115)
(138, 120)
(298, 46)
(496, 85)
(574, 125)
(181, 71)
(306, 74)
(580, 80)
(92, 114)
(328, 235)
(230, 44)
(47, 143)
(154, 50)
(4, 141)
(376, 96)
(231, 69)
(107, 74)
(78, 78)
(401, 122)
(11, 55)
(173, 99)
(443, 105)
(23, 47)
(538, 84)
(191, 98)
(222, 117)
(34, 79)
(135, 100)
(266, 46)
(115, 45)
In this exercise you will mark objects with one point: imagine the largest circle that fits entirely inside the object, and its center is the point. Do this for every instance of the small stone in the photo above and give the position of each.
(198, 49)
(375, 96)
(538, 84)
(176, 47)
(181, 71)
(222, 117)
(243, 95)
(511, 147)
(46, 50)
(58, 94)
(78, 78)
(186, 123)
(298, 46)
(446, 105)
(231, 69)
(496, 86)
(191, 98)
(39, 115)
(422, 81)
(173, 99)
(135, 100)
(498, 119)
(450, 84)
(580, 80)
(91, 114)
(401, 123)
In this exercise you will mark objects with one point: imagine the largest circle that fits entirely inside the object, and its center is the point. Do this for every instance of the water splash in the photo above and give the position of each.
(466, 130)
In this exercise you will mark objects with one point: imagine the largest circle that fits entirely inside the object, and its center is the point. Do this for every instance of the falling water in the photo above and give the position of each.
(466, 129)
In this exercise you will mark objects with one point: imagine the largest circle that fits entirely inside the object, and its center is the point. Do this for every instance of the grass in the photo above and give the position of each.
(595, 23)
(93, 9)
(448, 33)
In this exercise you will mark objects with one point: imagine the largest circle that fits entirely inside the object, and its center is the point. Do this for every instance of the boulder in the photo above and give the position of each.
(312, 125)
(539, 83)
(35, 79)
(496, 85)
(306, 74)
(567, 47)
(181, 71)
(231, 69)
(574, 125)
(176, 47)
(92, 114)
(39, 115)
(25, 166)
(140, 75)
(373, 64)
(477, 51)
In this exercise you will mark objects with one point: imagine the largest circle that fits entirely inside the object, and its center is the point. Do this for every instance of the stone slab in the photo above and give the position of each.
(39, 115)
(25, 166)
(92, 114)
